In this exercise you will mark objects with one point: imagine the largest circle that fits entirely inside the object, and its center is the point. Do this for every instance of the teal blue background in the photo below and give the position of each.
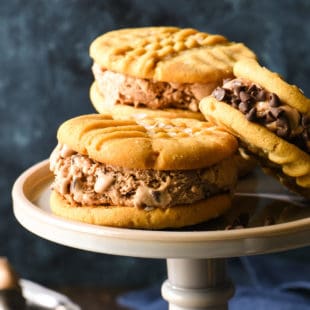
(45, 78)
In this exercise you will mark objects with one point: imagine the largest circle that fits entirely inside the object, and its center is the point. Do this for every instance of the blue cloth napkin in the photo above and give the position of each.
(274, 281)
(245, 298)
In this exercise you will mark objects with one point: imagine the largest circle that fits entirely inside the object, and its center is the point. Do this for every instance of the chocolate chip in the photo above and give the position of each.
(237, 89)
(219, 93)
(260, 95)
(274, 100)
(282, 121)
(156, 195)
(244, 96)
(269, 118)
(305, 121)
(252, 88)
(251, 115)
(245, 107)
(282, 127)
(276, 112)
(282, 132)
(235, 102)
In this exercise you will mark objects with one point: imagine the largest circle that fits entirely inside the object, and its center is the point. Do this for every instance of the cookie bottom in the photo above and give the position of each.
(122, 111)
(133, 217)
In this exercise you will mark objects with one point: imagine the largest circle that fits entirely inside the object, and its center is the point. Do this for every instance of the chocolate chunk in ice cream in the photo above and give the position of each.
(82, 180)
(118, 88)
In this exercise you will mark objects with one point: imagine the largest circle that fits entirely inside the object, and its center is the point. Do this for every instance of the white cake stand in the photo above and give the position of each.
(197, 276)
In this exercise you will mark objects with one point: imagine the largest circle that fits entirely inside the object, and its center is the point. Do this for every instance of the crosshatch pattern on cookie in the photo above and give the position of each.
(162, 144)
(156, 42)
(152, 52)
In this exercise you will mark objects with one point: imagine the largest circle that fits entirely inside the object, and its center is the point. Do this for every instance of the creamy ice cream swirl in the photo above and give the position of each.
(117, 88)
(84, 181)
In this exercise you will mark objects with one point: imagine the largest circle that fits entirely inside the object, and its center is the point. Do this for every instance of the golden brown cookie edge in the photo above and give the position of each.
(133, 217)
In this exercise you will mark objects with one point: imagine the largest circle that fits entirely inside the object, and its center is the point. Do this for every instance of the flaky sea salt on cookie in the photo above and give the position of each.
(270, 117)
(151, 173)
(161, 67)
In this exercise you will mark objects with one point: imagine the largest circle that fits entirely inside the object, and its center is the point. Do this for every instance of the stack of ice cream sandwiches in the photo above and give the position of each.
(174, 107)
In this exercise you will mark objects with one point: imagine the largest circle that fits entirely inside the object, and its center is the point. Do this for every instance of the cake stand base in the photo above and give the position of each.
(195, 284)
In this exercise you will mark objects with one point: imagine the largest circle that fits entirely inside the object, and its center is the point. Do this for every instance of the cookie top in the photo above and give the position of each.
(168, 54)
(159, 143)
(122, 111)
(291, 95)
(277, 152)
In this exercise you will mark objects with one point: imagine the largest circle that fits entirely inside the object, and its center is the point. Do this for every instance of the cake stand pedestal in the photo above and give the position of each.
(195, 256)
(197, 284)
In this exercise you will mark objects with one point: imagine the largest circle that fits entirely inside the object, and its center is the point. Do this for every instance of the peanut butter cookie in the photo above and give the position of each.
(148, 173)
(270, 117)
(161, 67)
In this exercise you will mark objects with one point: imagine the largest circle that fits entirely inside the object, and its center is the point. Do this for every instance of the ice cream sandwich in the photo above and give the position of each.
(159, 71)
(149, 173)
(270, 117)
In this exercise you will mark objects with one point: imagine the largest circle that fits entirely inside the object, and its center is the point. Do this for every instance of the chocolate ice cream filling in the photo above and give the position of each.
(118, 88)
(84, 181)
(265, 108)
